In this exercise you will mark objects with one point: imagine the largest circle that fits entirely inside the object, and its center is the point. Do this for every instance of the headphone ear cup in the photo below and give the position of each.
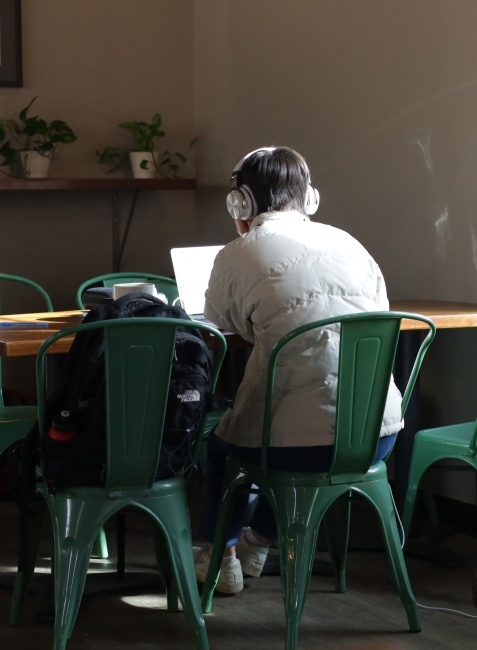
(312, 200)
(234, 203)
(240, 203)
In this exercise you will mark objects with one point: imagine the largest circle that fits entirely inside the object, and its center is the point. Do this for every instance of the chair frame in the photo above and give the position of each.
(16, 421)
(302, 500)
(143, 347)
(427, 451)
(109, 279)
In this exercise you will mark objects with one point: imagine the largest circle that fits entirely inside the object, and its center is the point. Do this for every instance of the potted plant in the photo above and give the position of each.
(41, 142)
(7, 152)
(110, 156)
(173, 165)
(143, 158)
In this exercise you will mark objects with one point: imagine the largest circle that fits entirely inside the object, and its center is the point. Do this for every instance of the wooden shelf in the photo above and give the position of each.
(80, 184)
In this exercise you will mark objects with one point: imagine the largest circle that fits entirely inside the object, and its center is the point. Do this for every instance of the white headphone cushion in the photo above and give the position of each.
(312, 200)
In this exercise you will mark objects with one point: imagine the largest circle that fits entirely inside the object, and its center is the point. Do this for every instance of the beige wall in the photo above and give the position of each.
(95, 63)
(380, 96)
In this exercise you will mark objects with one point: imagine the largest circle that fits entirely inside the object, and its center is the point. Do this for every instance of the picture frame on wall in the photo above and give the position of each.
(10, 43)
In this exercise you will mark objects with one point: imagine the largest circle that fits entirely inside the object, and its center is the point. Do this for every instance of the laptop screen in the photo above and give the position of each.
(192, 268)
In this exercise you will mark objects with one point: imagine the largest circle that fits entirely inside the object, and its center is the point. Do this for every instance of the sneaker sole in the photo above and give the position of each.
(250, 570)
(223, 588)
(229, 589)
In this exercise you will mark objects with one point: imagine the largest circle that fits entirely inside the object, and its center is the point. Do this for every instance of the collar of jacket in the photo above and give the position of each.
(286, 215)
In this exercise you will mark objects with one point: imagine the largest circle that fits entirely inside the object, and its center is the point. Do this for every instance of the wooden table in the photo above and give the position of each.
(446, 315)
(24, 342)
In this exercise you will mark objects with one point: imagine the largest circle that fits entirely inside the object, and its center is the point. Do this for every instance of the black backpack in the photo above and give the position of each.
(74, 451)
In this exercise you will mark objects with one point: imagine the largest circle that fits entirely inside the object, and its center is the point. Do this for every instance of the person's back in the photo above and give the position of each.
(286, 272)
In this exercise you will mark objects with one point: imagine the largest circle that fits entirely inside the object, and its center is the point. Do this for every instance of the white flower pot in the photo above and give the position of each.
(136, 158)
(34, 165)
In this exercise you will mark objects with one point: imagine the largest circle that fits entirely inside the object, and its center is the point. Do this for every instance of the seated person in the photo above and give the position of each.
(284, 271)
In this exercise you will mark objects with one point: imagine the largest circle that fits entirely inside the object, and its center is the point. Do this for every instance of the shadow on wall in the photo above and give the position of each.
(214, 224)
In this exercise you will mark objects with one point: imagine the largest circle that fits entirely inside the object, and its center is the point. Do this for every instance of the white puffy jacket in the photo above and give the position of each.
(288, 271)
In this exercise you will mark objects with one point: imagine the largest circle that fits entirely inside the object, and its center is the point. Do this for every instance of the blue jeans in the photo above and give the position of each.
(305, 459)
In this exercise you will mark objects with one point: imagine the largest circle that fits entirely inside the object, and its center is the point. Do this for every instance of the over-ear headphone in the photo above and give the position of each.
(241, 203)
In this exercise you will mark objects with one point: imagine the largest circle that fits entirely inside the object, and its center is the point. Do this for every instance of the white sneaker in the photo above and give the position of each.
(230, 577)
(252, 556)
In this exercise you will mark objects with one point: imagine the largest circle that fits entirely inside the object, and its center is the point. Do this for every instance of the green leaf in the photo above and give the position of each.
(144, 164)
(192, 143)
(45, 147)
(131, 126)
(180, 156)
(58, 125)
(64, 138)
(156, 120)
(23, 113)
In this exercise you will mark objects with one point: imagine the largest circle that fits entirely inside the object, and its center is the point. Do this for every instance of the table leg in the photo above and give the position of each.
(408, 347)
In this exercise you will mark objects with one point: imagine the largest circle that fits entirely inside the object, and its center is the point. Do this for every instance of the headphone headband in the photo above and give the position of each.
(240, 163)
(241, 203)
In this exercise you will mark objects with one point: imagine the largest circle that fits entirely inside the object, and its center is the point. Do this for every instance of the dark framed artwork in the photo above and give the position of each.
(10, 43)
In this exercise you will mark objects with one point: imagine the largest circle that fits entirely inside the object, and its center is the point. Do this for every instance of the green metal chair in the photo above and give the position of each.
(16, 421)
(301, 500)
(138, 356)
(457, 441)
(163, 284)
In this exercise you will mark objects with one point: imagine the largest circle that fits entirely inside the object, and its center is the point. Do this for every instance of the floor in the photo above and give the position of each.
(368, 616)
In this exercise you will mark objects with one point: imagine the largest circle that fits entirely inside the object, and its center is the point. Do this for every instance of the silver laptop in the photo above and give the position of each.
(192, 268)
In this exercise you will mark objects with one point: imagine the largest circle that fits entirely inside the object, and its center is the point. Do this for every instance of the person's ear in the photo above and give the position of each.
(242, 226)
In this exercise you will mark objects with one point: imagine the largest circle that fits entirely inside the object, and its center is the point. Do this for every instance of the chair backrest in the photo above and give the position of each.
(163, 284)
(138, 357)
(16, 278)
(48, 304)
(368, 343)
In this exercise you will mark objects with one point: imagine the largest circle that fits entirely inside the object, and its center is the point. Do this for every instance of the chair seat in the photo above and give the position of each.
(455, 435)
(212, 420)
(10, 414)
(165, 487)
(305, 479)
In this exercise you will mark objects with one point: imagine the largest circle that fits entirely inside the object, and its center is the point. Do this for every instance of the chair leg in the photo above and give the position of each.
(30, 532)
(102, 545)
(298, 530)
(415, 474)
(379, 494)
(336, 520)
(73, 543)
(70, 576)
(165, 569)
(121, 545)
(178, 541)
(220, 539)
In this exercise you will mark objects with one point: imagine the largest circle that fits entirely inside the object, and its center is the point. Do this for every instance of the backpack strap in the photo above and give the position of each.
(215, 402)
